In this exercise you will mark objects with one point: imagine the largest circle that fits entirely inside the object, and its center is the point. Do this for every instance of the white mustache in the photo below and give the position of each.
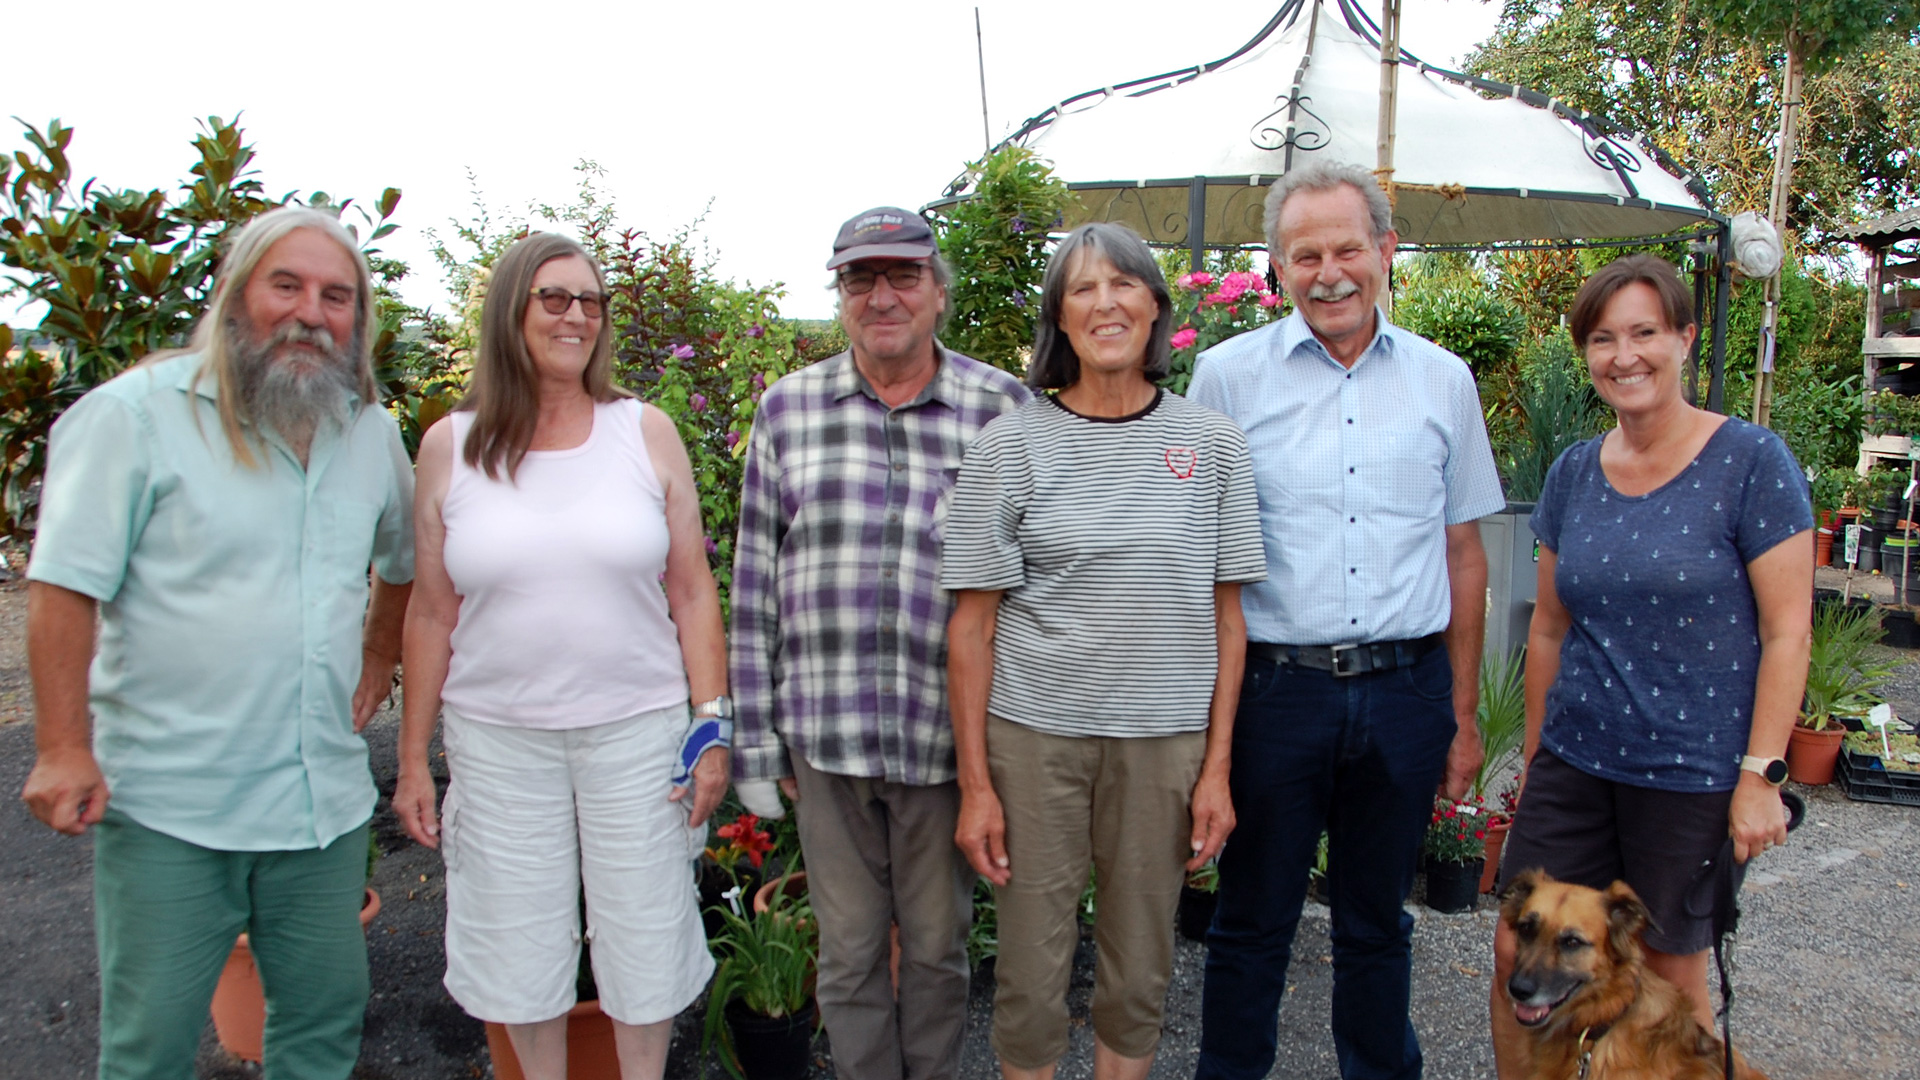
(1332, 293)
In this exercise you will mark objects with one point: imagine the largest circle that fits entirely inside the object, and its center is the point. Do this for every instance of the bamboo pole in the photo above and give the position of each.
(1777, 213)
(1389, 94)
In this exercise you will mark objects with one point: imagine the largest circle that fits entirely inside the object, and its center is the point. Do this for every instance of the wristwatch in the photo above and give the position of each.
(1771, 769)
(720, 708)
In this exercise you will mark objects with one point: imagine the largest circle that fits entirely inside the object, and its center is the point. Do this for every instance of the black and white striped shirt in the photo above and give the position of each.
(1108, 537)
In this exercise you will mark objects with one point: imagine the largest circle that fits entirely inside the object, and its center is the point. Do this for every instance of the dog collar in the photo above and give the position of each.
(1586, 1052)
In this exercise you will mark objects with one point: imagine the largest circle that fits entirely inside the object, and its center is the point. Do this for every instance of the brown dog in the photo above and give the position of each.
(1582, 990)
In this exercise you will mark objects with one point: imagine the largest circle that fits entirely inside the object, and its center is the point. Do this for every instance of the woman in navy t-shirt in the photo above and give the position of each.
(1668, 651)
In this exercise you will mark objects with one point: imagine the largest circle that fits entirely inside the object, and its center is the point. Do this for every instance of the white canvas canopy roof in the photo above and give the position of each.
(1470, 170)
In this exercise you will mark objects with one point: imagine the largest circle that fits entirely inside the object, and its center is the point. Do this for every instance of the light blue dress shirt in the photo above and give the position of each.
(232, 600)
(1358, 473)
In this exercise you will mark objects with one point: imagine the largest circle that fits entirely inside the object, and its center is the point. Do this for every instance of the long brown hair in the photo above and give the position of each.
(503, 392)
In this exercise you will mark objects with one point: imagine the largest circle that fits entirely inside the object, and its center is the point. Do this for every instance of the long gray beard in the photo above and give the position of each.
(292, 396)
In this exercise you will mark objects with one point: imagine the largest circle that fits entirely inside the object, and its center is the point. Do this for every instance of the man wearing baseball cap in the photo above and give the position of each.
(839, 645)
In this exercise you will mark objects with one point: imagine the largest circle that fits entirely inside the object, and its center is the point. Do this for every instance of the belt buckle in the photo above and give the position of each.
(1337, 654)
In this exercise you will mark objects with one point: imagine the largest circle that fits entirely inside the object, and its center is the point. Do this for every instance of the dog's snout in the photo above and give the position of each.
(1522, 987)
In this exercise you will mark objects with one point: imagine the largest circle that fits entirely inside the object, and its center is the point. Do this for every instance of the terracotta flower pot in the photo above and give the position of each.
(591, 1053)
(1496, 839)
(239, 1003)
(1811, 754)
(1823, 547)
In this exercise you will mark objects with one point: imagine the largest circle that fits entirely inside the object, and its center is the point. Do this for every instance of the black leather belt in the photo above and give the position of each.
(1344, 661)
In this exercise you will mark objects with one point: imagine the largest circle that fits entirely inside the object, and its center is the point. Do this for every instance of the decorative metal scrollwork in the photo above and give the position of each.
(1605, 152)
(1291, 108)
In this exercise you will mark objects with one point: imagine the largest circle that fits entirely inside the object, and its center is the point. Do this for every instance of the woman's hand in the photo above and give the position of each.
(1213, 818)
(1756, 820)
(414, 801)
(710, 775)
(982, 835)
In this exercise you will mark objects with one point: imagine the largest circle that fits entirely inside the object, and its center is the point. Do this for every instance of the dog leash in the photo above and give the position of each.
(1722, 877)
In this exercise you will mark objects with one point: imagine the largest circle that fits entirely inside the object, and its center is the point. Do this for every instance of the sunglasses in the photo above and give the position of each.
(557, 300)
(899, 275)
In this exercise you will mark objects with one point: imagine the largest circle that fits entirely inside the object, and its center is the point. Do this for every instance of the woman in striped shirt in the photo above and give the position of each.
(1097, 538)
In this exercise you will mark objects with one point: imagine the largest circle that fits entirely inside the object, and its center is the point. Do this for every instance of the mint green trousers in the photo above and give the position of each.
(166, 913)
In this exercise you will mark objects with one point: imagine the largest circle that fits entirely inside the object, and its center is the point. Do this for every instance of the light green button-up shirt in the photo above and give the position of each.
(232, 600)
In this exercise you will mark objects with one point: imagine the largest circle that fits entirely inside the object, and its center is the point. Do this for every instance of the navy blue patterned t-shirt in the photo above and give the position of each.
(1657, 670)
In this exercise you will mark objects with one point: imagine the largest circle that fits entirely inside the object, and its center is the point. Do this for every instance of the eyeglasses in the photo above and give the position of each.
(899, 275)
(557, 300)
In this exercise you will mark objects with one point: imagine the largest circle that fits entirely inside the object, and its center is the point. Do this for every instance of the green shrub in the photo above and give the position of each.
(126, 272)
(996, 243)
(1558, 409)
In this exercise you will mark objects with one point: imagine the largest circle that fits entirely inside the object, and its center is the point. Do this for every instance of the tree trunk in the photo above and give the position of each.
(1777, 213)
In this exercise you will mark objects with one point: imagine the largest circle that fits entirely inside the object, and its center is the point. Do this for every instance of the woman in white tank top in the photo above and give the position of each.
(562, 611)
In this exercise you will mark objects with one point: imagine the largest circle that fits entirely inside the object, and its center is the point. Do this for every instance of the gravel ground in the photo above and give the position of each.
(1827, 984)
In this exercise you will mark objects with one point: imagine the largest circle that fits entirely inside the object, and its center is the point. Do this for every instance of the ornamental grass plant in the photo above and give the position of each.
(1844, 668)
(766, 962)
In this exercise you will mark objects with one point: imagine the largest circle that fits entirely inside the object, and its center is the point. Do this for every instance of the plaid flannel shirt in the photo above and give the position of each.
(839, 623)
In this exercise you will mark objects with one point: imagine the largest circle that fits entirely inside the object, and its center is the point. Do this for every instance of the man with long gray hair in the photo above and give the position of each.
(1363, 645)
(219, 508)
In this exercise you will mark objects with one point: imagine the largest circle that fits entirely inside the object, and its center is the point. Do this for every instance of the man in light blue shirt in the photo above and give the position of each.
(1372, 464)
(220, 508)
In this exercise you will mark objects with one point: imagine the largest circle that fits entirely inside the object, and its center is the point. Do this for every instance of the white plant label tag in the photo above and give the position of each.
(1880, 715)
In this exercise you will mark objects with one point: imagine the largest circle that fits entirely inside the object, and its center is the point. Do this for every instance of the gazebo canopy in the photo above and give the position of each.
(1469, 169)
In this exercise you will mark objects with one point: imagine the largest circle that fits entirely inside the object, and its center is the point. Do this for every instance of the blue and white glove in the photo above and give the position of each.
(706, 733)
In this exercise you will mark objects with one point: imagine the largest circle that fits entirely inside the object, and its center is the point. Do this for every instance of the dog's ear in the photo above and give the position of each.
(1626, 917)
(1514, 900)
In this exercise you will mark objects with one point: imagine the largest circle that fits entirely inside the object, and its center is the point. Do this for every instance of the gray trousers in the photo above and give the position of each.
(880, 854)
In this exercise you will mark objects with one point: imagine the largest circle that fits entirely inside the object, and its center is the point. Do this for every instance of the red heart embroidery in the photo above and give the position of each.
(1181, 459)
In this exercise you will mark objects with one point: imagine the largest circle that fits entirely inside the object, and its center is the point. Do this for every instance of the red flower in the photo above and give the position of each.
(746, 837)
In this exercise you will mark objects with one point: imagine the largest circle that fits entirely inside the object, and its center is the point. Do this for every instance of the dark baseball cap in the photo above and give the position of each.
(884, 232)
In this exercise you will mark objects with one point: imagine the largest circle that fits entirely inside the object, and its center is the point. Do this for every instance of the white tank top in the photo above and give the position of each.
(563, 621)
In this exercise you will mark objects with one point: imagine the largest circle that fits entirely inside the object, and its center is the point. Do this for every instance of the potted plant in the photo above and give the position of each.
(239, 1002)
(983, 934)
(1455, 854)
(1842, 675)
(733, 871)
(1199, 895)
(1503, 727)
(1835, 502)
(760, 1010)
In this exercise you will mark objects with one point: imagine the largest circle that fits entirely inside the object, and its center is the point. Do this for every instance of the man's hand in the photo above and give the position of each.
(66, 791)
(413, 803)
(1463, 761)
(1213, 818)
(982, 836)
(1756, 820)
(376, 686)
(709, 784)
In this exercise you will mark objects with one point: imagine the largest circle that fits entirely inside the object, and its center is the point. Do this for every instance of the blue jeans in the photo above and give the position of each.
(1361, 758)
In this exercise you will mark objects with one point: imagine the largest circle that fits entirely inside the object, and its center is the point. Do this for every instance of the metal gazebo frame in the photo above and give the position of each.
(1223, 212)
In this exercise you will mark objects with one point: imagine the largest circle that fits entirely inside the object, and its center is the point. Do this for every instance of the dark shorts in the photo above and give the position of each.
(1583, 829)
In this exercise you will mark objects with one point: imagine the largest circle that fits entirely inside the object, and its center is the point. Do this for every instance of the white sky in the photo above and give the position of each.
(789, 117)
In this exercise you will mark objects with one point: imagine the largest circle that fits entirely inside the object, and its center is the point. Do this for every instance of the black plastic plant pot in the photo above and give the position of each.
(1901, 631)
(772, 1047)
(1196, 912)
(1453, 887)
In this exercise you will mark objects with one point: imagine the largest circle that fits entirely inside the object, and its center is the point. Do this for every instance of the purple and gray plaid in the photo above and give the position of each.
(839, 627)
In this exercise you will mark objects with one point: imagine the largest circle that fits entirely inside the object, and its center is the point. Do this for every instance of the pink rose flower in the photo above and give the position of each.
(1184, 337)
